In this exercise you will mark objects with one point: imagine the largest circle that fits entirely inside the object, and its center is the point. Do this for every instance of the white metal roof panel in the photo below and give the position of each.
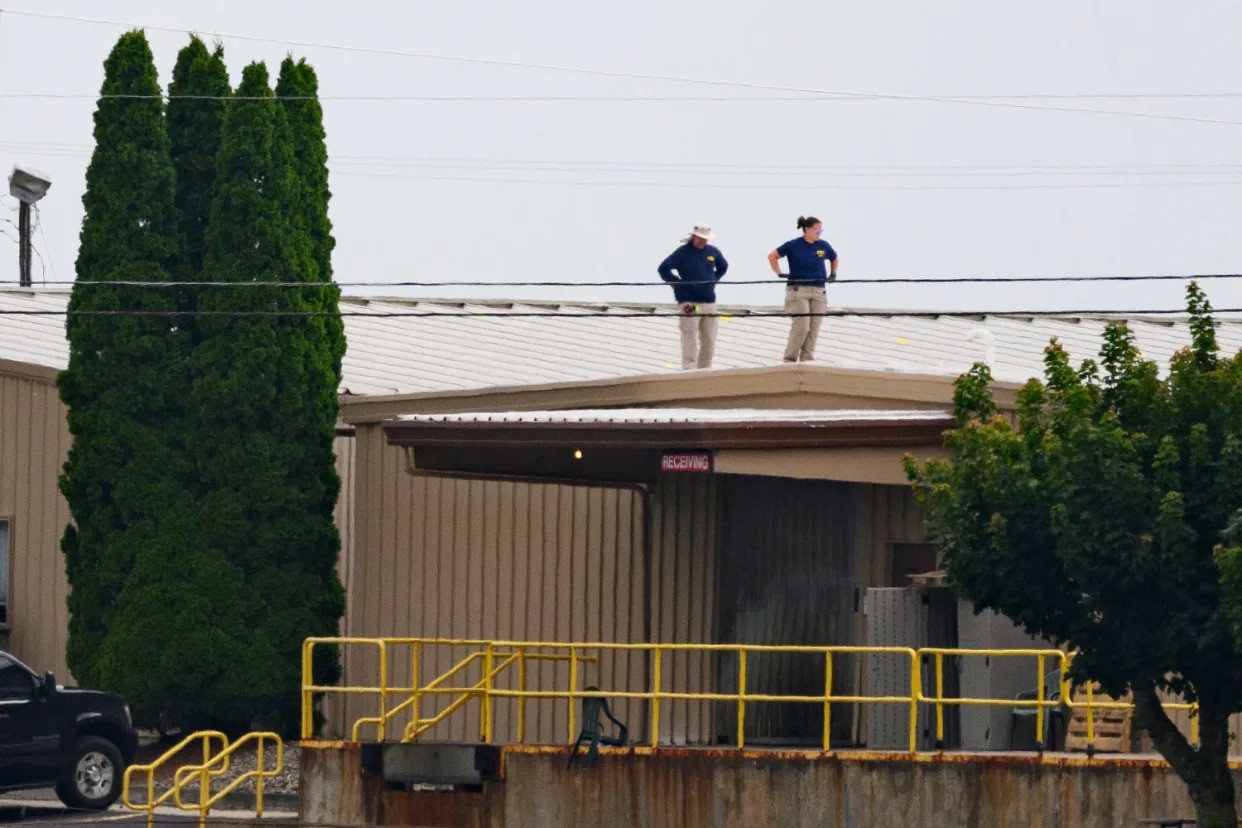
(466, 349)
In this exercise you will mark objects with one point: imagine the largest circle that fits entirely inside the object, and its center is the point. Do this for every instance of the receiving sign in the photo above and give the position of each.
(686, 461)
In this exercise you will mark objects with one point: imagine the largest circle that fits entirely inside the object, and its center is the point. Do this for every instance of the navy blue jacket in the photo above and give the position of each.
(698, 271)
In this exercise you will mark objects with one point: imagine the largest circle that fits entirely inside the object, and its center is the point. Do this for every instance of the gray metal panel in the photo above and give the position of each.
(990, 728)
(896, 617)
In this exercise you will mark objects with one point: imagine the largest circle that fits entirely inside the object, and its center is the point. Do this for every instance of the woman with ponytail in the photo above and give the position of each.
(809, 258)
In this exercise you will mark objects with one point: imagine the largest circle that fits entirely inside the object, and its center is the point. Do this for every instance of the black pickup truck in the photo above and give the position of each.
(79, 741)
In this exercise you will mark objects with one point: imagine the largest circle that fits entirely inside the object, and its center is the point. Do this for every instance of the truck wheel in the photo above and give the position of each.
(92, 778)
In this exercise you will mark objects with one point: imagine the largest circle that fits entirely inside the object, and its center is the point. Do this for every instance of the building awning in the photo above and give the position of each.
(672, 428)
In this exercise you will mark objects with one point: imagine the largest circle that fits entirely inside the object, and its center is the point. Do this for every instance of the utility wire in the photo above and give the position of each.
(630, 75)
(627, 314)
(823, 98)
(684, 167)
(774, 280)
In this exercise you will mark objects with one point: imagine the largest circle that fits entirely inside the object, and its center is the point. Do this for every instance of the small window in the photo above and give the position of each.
(4, 572)
(15, 683)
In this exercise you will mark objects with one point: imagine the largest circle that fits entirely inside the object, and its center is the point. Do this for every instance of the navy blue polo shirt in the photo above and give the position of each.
(697, 272)
(808, 261)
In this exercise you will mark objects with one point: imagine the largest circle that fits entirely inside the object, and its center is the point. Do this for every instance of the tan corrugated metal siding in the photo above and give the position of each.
(447, 558)
(34, 442)
(457, 558)
(344, 512)
(683, 599)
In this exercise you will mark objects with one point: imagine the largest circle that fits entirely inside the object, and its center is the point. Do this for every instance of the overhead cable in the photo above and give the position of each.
(630, 75)
(897, 280)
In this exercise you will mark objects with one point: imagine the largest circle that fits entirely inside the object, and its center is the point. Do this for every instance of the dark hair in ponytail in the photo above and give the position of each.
(807, 222)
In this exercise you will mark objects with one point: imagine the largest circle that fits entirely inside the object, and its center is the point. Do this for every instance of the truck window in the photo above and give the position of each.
(15, 682)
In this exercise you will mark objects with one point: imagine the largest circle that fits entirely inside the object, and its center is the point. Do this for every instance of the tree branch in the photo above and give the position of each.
(1167, 738)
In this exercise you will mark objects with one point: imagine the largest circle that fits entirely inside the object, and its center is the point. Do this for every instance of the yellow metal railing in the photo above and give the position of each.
(481, 690)
(213, 765)
(209, 768)
(205, 737)
(497, 657)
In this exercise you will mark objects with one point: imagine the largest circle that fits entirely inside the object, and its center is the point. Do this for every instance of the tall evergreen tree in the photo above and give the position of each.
(298, 91)
(196, 111)
(263, 441)
(123, 386)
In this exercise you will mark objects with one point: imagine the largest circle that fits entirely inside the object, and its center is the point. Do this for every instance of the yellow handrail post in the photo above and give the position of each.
(204, 782)
(916, 683)
(658, 655)
(151, 798)
(258, 780)
(415, 656)
(521, 699)
(1039, 711)
(741, 697)
(573, 688)
(1090, 721)
(308, 698)
(940, 701)
(383, 689)
(488, 657)
(828, 701)
(1194, 724)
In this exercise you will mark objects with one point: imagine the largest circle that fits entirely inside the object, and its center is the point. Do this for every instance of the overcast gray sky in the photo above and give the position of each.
(590, 191)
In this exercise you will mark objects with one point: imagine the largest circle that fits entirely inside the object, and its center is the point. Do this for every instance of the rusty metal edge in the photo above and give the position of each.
(1058, 760)
(868, 756)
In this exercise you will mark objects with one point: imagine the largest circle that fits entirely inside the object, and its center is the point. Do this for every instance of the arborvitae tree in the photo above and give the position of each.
(298, 91)
(123, 388)
(263, 440)
(196, 111)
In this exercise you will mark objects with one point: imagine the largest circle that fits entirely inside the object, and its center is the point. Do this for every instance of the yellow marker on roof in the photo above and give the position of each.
(901, 340)
(726, 319)
(478, 316)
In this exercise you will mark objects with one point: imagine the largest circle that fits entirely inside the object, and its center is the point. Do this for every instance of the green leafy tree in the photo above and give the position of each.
(266, 421)
(196, 111)
(124, 384)
(1106, 519)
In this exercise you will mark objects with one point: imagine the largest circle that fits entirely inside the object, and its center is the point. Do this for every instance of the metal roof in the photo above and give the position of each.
(681, 416)
(464, 350)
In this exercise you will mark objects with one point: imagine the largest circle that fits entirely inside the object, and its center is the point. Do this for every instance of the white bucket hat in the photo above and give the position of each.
(703, 231)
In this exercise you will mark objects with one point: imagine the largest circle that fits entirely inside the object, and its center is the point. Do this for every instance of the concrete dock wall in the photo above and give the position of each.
(710, 789)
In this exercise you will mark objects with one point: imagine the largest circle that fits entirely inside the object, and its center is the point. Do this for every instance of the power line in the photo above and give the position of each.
(808, 98)
(689, 167)
(630, 75)
(653, 314)
(783, 186)
(901, 280)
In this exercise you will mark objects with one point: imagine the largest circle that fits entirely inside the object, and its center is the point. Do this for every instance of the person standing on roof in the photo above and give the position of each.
(693, 270)
(809, 257)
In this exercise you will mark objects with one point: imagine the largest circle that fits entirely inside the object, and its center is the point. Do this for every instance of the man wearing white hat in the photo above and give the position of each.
(693, 270)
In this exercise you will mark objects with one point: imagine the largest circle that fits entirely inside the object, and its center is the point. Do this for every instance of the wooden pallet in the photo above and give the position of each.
(1111, 727)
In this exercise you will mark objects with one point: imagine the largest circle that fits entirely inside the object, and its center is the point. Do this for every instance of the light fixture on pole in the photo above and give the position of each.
(27, 186)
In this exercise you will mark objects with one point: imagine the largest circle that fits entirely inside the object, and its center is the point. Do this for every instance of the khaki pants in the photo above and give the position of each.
(698, 335)
(804, 330)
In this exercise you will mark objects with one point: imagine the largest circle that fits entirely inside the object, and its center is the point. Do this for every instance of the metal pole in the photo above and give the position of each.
(23, 247)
